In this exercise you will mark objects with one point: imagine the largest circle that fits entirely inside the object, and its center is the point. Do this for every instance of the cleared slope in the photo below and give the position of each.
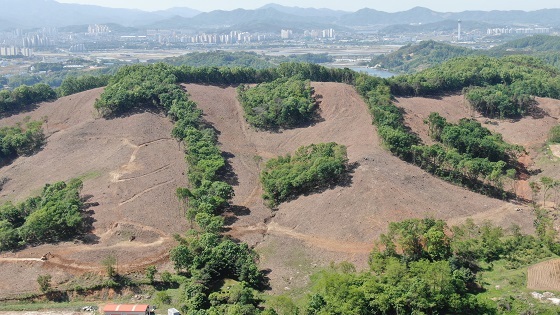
(530, 132)
(341, 223)
(544, 276)
(130, 167)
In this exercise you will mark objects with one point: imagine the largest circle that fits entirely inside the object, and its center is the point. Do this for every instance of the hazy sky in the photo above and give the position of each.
(351, 5)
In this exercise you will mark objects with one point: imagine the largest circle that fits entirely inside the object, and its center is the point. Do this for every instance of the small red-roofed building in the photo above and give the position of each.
(126, 309)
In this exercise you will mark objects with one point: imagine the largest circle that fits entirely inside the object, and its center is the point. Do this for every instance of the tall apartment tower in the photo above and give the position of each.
(459, 30)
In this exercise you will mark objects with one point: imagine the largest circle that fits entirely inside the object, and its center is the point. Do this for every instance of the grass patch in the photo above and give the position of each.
(90, 175)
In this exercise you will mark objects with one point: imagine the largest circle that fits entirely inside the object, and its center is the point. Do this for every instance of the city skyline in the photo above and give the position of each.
(388, 6)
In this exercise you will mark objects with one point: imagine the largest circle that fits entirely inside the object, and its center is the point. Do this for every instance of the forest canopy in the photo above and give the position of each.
(282, 103)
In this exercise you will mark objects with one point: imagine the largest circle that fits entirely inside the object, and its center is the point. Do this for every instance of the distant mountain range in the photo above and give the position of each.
(272, 17)
(49, 13)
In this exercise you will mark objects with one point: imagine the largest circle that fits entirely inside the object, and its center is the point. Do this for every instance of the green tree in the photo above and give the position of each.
(151, 273)
(44, 282)
(110, 264)
(547, 184)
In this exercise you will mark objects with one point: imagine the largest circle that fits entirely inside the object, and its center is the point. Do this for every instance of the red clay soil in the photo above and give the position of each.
(130, 167)
(341, 223)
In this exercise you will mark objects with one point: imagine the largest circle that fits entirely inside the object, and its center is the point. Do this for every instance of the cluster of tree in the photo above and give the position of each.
(423, 267)
(282, 103)
(55, 79)
(24, 79)
(21, 97)
(469, 137)
(523, 74)
(222, 58)
(55, 215)
(72, 85)
(500, 101)
(139, 86)
(19, 140)
(207, 259)
(242, 59)
(413, 58)
(310, 167)
(535, 43)
(306, 58)
(238, 75)
(417, 57)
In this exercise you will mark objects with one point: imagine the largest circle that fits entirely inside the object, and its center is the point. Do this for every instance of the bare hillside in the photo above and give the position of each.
(340, 223)
(130, 167)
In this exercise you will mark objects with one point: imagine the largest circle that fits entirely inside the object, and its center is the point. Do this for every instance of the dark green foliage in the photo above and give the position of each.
(73, 85)
(469, 154)
(420, 267)
(523, 75)
(54, 216)
(282, 103)
(20, 140)
(419, 287)
(500, 101)
(310, 167)
(469, 137)
(24, 79)
(23, 96)
(242, 59)
(417, 239)
(387, 117)
(533, 43)
(139, 86)
(209, 258)
(417, 57)
(236, 299)
(221, 59)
